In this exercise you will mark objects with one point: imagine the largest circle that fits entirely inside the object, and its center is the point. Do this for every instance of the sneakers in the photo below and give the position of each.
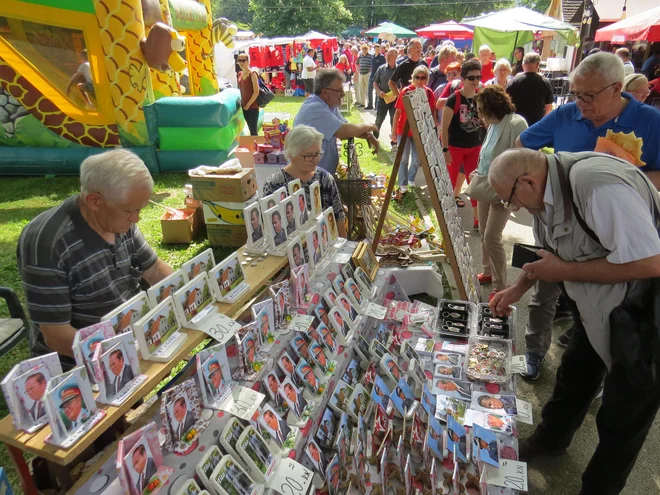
(533, 366)
(563, 340)
(530, 448)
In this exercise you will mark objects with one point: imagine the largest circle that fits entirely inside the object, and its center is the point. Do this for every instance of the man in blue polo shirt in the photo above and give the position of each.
(598, 105)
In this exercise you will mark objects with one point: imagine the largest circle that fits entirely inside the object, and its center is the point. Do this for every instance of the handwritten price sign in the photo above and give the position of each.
(242, 402)
(300, 323)
(291, 478)
(511, 474)
(524, 412)
(221, 328)
(376, 311)
(518, 364)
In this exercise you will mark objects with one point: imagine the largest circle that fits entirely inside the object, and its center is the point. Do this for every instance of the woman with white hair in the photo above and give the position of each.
(485, 54)
(502, 74)
(637, 85)
(303, 150)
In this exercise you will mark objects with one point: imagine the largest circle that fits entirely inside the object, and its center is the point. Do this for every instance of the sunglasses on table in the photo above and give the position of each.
(473, 78)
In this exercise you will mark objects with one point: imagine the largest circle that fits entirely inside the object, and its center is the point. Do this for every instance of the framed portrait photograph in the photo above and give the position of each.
(340, 323)
(289, 206)
(167, 287)
(181, 416)
(215, 382)
(325, 433)
(331, 221)
(72, 405)
(141, 466)
(268, 202)
(322, 314)
(274, 220)
(203, 262)
(276, 427)
(363, 280)
(314, 249)
(324, 234)
(300, 200)
(363, 257)
(300, 344)
(340, 395)
(296, 253)
(272, 384)
(117, 371)
(280, 195)
(330, 298)
(294, 186)
(290, 393)
(306, 374)
(354, 293)
(318, 356)
(315, 198)
(316, 456)
(345, 306)
(339, 285)
(352, 373)
(286, 364)
(328, 338)
(254, 225)
(248, 345)
(30, 388)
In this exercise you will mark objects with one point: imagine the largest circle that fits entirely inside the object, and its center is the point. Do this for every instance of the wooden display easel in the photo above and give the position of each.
(428, 148)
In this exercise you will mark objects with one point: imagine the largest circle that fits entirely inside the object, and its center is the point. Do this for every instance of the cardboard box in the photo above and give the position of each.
(226, 235)
(181, 230)
(248, 141)
(225, 213)
(246, 146)
(235, 188)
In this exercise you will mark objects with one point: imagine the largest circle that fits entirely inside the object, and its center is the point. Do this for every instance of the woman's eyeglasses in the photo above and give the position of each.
(310, 157)
(473, 78)
(241, 59)
(421, 78)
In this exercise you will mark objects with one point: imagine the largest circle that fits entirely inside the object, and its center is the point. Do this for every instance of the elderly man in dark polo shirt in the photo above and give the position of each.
(598, 105)
(85, 257)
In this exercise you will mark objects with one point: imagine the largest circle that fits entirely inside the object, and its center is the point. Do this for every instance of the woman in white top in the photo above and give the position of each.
(502, 72)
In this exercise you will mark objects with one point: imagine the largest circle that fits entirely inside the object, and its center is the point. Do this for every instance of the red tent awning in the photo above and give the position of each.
(644, 26)
(449, 30)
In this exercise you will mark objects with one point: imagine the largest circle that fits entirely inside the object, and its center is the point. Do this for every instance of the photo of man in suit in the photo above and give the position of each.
(296, 402)
(317, 251)
(35, 386)
(317, 456)
(276, 426)
(306, 373)
(74, 411)
(297, 255)
(183, 418)
(302, 208)
(120, 372)
(346, 304)
(273, 385)
(290, 218)
(279, 233)
(255, 222)
(144, 467)
(340, 325)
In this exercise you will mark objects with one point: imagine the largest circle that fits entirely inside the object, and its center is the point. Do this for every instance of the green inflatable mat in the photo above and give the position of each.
(199, 138)
(196, 111)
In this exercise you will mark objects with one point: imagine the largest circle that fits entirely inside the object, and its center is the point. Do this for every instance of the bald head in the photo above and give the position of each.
(520, 174)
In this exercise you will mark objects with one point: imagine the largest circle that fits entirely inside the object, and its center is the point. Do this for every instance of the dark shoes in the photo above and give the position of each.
(369, 108)
(530, 448)
(534, 363)
(563, 340)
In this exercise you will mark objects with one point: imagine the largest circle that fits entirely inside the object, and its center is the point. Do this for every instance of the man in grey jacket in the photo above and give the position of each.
(587, 207)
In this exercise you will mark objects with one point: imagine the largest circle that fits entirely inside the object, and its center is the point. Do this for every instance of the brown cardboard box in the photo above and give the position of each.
(247, 142)
(181, 231)
(234, 188)
(225, 213)
(226, 235)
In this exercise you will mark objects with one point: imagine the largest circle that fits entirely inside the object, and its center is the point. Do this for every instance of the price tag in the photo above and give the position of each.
(342, 258)
(242, 402)
(301, 323)
(518, 364)
(376, 311)
(524, 411)
(291, 478)
(511, 474)
(220, 327)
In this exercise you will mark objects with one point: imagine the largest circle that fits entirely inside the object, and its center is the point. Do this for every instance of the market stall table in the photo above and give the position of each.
(18, 442)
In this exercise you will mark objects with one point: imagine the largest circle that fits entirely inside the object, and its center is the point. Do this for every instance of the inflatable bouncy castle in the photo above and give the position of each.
(80, 76)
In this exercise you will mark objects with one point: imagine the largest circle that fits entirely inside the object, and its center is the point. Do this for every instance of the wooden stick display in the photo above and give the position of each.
(429, 150)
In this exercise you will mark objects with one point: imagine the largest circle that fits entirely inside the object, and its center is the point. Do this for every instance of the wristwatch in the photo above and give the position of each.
(445, 150)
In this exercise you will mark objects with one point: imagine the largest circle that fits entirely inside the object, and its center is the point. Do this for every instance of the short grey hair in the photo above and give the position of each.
(300, 138)
(414, 41)
(513, 163)
(484, 48)
(531, 58)
(502, 63)
(113, 173)
(607, 65)
(325, 77)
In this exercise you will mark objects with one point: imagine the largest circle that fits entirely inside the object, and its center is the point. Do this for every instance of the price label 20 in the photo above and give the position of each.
(291, 478)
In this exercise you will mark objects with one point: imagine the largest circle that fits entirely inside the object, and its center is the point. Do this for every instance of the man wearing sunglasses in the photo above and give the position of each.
(321, 111)
(596, 212)
(598, 105)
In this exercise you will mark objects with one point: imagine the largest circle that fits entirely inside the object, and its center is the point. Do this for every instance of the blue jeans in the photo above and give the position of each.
(407, 174)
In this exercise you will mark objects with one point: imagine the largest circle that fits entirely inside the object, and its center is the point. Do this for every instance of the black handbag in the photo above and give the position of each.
(265, 94)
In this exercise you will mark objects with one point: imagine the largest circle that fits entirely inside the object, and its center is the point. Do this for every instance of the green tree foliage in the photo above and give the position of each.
(290, 17)
(236, 11)
(537, 5)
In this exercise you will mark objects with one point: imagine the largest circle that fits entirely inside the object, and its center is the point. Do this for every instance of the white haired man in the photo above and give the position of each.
(81, 259)
(321, 112)
(587, 207)
(598, 106)
(487, 72)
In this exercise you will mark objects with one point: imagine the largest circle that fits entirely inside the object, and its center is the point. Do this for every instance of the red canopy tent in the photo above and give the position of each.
(449, 30)
(644, 26)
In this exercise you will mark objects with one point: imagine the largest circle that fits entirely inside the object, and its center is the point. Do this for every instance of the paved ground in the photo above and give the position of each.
(558, 476)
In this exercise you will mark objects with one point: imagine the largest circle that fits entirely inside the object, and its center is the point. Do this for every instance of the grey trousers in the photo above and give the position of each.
(538, 335)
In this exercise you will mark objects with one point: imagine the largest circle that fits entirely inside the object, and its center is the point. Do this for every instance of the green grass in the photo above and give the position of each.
(23, 198)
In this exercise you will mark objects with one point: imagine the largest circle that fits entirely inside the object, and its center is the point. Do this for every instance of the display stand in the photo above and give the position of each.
(420, 123)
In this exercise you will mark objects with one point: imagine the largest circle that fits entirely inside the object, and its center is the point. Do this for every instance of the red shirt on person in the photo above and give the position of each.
(399, 106)
(245, 85)
(487, 72)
